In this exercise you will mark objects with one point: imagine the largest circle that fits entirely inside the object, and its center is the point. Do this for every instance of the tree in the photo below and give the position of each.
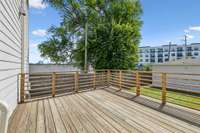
(59, 47)
(113, 34)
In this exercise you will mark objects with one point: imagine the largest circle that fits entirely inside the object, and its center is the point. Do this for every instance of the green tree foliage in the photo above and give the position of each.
(58, 48)
(113, 34)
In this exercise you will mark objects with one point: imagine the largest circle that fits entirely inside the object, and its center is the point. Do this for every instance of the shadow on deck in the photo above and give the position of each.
(93, 112)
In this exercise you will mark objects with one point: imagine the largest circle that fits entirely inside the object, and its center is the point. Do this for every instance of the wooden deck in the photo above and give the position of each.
(93, 112)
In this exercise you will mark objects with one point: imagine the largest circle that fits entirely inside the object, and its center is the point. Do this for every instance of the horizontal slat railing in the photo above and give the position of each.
(42, 85)
(51, 84)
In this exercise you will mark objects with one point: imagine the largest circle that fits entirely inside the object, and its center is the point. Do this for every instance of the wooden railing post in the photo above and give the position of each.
(108, 78)
(137, 83)
(53, 91)
(22, 86)
(76, 81)
(164, 87)
(94, 80)
(120, 80)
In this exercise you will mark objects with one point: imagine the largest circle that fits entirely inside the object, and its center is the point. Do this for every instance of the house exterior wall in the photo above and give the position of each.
(13, 49)
(41, 68)
(176, 78)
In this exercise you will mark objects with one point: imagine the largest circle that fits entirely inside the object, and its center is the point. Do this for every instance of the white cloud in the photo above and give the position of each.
(190, 37)
(39, 32)
(194, 28)
(38, 4)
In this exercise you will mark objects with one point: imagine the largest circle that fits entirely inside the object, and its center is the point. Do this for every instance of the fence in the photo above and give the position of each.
(51, 84)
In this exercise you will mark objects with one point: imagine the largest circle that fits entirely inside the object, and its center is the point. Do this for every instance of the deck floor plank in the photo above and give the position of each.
(79, 125)
(96, 115)
(89, 117)
(31, 125)
(40, 118)
(93, 112)
(143, 114)
(60, 127)
(16, 117)
(65, 117)
(125, 121)
(170, 122)
(49, 122)
(24, 119)
(82, 114)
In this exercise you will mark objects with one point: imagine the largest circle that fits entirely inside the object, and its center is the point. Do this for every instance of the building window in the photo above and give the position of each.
(166, 55)
(152, 50)
(160, 50)
(160, 60)
(141, 55)
(141, 60)
(160, 55)
(173, 54)
(166, 60)
(146, 55)
(147, 60)
(152, 55)
(189, 49)
(196, 49)
(196, 54)
(189, 54)
(179, 49)
(152, 60)
(179, 55)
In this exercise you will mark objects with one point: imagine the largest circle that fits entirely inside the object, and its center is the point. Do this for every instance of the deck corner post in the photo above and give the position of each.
(22, 86)
(164, 87)
(137, 83)
(53, 84)
(94, 80)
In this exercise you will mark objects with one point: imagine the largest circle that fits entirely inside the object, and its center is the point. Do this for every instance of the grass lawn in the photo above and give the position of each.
(183, 99)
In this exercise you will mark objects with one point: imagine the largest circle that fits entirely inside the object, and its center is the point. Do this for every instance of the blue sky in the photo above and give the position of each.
(163, 21)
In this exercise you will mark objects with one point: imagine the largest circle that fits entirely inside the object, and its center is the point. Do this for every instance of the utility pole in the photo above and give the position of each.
(185, 40)
(86, 41)
(169, 52)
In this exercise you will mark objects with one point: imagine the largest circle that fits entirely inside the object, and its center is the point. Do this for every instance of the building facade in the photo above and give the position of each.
(165, 53)
(13, 54)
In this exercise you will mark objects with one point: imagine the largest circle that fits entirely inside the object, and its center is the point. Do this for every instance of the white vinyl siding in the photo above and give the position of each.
(10, 50)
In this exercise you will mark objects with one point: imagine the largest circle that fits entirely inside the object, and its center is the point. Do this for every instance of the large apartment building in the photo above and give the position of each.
(165, 53)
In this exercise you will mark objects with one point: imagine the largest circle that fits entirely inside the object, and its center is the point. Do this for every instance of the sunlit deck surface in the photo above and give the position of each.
(92, 112)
